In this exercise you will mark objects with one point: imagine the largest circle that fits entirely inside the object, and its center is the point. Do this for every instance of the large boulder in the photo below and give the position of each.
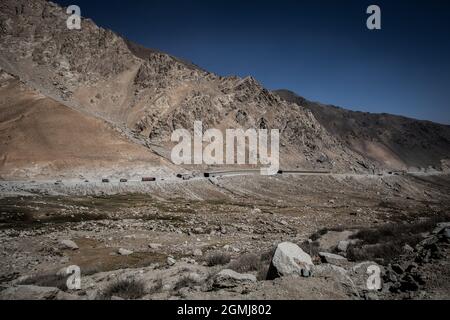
(290, 259)
(229, 279)
(29, 293)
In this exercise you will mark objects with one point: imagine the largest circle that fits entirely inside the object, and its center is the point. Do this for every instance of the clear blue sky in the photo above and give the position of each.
(320, 49)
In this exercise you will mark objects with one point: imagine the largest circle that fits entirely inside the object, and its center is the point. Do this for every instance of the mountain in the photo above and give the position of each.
(143, 95)
(388, 140)
(41, 137)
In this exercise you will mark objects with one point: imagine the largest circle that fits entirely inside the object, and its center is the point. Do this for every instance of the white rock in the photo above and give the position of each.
(155, 246)
(171, 261)
(290, 259)
(69, 244)
(198, 253)
(124, 252)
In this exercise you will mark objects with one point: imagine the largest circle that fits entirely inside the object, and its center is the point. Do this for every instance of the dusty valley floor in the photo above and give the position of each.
(171, 239)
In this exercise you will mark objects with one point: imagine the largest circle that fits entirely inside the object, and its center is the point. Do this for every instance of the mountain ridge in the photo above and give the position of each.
(146, 94)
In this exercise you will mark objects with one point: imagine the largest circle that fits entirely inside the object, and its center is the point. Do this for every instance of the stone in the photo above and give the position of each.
(124, 252)
(441, 226)
(29, 293)
(69, 244)
(328, 241)
(228, 279)
(327, 270)
(338, 274)
(408, 248)
(198, 253)
(343, 245)
(154, 246)
(290, 259)
(360, 273)
(171, 261)
(446, 233)
(331, 258)
(199, 230)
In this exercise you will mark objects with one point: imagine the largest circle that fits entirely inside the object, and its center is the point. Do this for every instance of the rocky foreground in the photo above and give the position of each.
(233, 238)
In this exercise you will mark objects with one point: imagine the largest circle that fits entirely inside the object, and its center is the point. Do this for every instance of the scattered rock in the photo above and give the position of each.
(360, 274)
(338, 274)
(154, 246)
(343, 245)
(29, 293)
(228, 279)
(328, 241)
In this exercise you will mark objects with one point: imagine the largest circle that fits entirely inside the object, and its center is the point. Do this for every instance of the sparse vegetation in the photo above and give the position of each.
(254, 263)
(246, 263)
(185, 282)
(265, 261)
(158, 285)
(311, 248)
(217, 258)
(127, 289)
(384, 243)
(47, 280)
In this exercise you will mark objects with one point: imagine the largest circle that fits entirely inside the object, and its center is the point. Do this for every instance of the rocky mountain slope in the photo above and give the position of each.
(391, 141)
(41, 137)
(146, 94)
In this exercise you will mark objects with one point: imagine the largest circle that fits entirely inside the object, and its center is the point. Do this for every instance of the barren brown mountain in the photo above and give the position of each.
(145, 94)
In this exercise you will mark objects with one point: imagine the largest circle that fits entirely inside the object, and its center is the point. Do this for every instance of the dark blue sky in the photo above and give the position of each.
(320, 49)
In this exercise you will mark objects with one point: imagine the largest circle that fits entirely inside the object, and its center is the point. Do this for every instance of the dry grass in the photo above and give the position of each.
(311, 248)
(245, 263)
(254, 263)
(185, 282)
(47, 280)
(217, 258)
(157, 287)
(129, 289)
(383, 244)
